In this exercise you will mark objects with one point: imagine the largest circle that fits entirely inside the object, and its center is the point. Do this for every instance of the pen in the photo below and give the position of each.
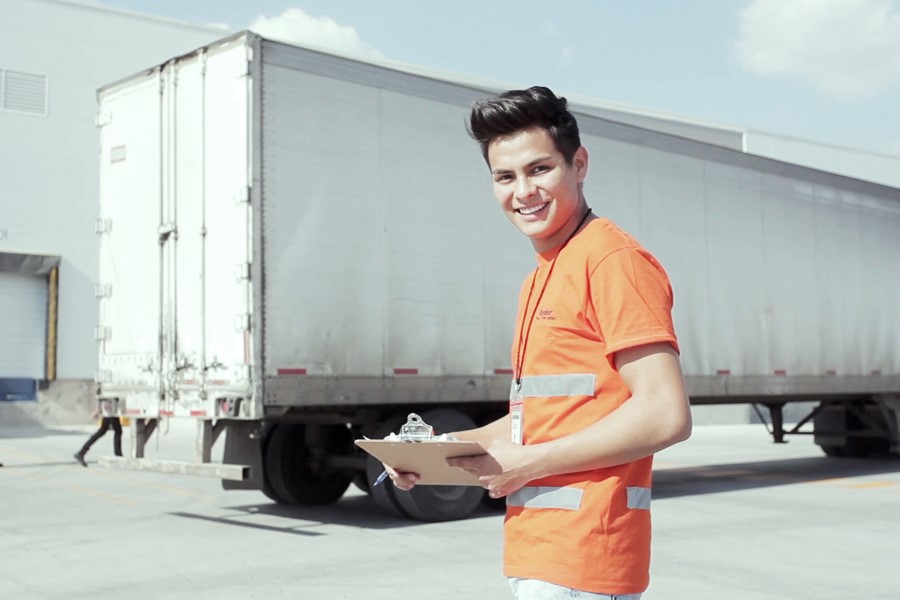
(381, 478)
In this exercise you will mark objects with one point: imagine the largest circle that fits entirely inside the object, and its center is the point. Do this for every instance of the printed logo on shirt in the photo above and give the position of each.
(545, 314)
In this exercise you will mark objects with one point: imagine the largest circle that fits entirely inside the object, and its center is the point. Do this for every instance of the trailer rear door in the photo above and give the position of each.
(175, 241)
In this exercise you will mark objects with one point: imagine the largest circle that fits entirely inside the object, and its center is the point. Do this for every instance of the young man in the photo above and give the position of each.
(597, 385)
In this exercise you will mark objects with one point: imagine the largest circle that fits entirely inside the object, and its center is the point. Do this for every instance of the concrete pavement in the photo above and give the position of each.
(735, 517)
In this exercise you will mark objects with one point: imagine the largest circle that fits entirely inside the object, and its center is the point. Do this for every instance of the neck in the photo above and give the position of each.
(556, 242)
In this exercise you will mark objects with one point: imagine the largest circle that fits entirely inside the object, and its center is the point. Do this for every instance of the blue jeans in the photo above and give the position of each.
(534, 589)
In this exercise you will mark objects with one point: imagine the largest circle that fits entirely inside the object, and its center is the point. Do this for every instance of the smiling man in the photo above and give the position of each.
(597, 385)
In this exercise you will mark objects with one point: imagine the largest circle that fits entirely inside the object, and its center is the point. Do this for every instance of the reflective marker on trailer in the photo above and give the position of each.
(299, 371)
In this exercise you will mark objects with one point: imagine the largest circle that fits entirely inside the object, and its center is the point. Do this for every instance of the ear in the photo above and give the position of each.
(580, 163)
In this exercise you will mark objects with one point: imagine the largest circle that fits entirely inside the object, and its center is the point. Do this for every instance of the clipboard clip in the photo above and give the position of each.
(415, 429)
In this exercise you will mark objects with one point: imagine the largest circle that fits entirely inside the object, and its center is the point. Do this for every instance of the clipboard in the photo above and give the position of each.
(427, 459)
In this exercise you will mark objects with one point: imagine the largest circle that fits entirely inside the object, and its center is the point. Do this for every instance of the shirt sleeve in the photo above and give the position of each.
(631, 299)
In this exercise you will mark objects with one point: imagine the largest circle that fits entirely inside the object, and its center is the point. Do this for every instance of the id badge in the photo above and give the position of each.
(516, 414)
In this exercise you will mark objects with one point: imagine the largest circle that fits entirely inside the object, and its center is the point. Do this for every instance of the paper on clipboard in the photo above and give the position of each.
(427, 459)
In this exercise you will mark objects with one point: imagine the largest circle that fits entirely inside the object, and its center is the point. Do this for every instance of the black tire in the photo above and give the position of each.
(855, 447)
(296, 463)
(267, 489)
(442, 502)
(852, 448)
(493, 503)
(384, 494)
(361, 481)
(832, 450)
(840, 430)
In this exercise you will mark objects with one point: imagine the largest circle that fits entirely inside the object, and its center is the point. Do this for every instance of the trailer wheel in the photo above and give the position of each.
(385, 494)
(296, 463)
(361, 482)
(267, 489)
(859, 448)
(442, 502)
(853, 448)
(838, 428)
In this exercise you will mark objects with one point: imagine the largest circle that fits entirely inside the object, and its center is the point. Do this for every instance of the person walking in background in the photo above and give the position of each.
(597, 384)
(106, 423)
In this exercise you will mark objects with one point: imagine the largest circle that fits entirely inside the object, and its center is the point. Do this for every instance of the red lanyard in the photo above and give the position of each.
(523, 333)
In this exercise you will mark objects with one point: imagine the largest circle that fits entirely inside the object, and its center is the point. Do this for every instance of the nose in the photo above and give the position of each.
(524, 188)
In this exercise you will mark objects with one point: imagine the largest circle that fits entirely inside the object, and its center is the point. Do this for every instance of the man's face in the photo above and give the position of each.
(536, 188)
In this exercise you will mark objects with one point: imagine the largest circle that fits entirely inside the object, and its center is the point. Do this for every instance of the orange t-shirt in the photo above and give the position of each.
(601, 293)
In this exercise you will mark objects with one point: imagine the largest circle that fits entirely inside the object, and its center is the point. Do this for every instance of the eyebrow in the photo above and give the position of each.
(537, 160)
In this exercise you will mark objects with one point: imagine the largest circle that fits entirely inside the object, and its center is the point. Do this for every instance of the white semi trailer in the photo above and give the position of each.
(298, 249)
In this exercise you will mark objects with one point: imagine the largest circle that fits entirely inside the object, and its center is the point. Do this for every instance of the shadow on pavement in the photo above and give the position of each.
(712, 479)
(359, 510)
(351, 511)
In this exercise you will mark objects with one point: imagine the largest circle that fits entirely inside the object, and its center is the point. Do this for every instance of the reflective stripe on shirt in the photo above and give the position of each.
(569, 498)
(638, 497)
(566, 498)
(572, 384)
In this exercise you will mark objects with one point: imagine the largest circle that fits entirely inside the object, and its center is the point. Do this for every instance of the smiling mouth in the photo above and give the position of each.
(530, 210)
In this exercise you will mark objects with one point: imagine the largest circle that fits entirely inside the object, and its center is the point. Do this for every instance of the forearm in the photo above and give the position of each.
(633, 431)
(656, 415)
(487, 434)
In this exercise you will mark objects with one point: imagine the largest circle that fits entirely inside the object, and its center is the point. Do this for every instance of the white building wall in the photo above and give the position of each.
(49, 164)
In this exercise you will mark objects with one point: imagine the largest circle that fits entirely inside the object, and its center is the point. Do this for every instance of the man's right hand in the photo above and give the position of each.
(402, 480)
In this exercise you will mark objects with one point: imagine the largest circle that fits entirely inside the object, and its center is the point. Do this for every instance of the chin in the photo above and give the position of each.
(535, 230)
(531, 233)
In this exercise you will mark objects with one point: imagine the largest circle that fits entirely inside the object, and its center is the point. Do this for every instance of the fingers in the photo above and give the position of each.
(472, 464)
(402, 480)
(405, 481)
(484, 464)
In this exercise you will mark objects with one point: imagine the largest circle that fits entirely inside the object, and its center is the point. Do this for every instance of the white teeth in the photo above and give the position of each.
(530, 210)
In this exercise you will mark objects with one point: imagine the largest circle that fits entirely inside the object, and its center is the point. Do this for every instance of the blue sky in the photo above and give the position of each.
(826, 70)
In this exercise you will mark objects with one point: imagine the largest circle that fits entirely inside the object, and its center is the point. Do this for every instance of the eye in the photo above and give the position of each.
(503, 177)
(538, 169)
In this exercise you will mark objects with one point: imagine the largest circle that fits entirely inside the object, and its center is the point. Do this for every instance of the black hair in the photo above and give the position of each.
(516, 110)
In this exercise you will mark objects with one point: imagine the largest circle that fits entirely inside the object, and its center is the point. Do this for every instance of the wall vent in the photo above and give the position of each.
(25, 93)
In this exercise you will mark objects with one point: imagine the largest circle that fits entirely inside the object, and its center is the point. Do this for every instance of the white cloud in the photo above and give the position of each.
(549, 29)
(849, 49)
(296, 27)
(567, 51)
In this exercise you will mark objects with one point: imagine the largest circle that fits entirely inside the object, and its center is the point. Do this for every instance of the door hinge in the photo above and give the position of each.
(102, 226)
(242, 196)
(242, 272)
(165, 231)
(102, 290)
(242, 67)
(242, 322)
